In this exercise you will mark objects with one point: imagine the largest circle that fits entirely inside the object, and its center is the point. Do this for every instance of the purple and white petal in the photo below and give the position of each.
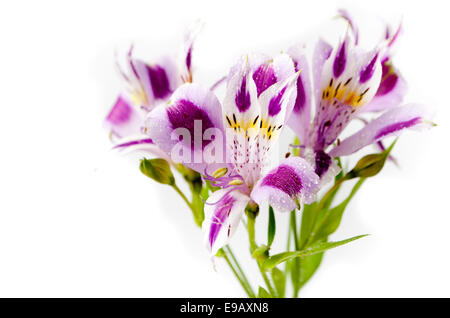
(391, 123)
(188, 127)
(350, 79)
(188, 47)
(263, 71)
(300, 117)
(240, 106)
(140, 143)
(223, 211)
(287, 186)
(241, 118)
(277, 102)
(158, 80)
(124, 119)
(391, 90)
(321, 54)
(344, 14)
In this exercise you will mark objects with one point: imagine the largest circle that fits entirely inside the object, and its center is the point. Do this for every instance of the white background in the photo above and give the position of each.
(77, 219)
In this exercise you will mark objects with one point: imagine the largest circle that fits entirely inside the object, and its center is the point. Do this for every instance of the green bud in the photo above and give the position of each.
(220, 253)
(261, 253)
(370, 165)
(252, 210)
(158, 170)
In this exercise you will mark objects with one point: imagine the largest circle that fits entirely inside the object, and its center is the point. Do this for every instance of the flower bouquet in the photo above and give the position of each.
(224, 146)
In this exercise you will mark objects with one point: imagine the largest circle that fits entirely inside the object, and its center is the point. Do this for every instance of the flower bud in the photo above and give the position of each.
(368, 166)
(261, 253)
(158, 170)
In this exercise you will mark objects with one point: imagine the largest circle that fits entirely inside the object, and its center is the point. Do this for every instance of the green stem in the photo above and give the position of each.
(295, 262)
(244, 286)
(251, 236)
(251, 233)
(197, 218)
(294, 229)
(175, 187)
(242, 274)
(266, 280)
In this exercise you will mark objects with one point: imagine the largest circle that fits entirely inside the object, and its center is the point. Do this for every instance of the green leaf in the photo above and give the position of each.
(262, 293)
(276, 259)
(308, 266)
(332, 218)
(279, 281)
(306, 224)
(271, 227)
(158, 170)
(295, 273)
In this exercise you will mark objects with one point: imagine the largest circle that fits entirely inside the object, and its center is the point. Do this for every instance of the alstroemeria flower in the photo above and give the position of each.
(260, 93)
(146, 86)
(348, 81)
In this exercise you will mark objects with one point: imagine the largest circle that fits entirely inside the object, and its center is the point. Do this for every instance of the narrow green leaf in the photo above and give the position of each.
(295, 273)
(262, 293)
(276, 259)
(158, 170)
(307, 219)
(271, 227)
(279, 281)
(332, 218)
(308, 266)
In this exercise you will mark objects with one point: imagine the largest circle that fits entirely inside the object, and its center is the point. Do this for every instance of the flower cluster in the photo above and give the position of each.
(224, 147)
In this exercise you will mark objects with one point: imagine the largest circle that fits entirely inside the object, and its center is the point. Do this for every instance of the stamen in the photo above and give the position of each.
(236, 182)
(220, 172)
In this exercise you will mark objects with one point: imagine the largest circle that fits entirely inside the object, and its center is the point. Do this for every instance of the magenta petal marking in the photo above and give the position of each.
(367, 72)
(323, 162)
(285, 179)
(264, 77)
(159, 81)
(397, 126)
(301, 96)
(184, 113)
(120, 113)
(134, 142)
(189, 58)
(221, 213)
(339, 61)
(275, 102)
(387, 84)
(242, 98)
